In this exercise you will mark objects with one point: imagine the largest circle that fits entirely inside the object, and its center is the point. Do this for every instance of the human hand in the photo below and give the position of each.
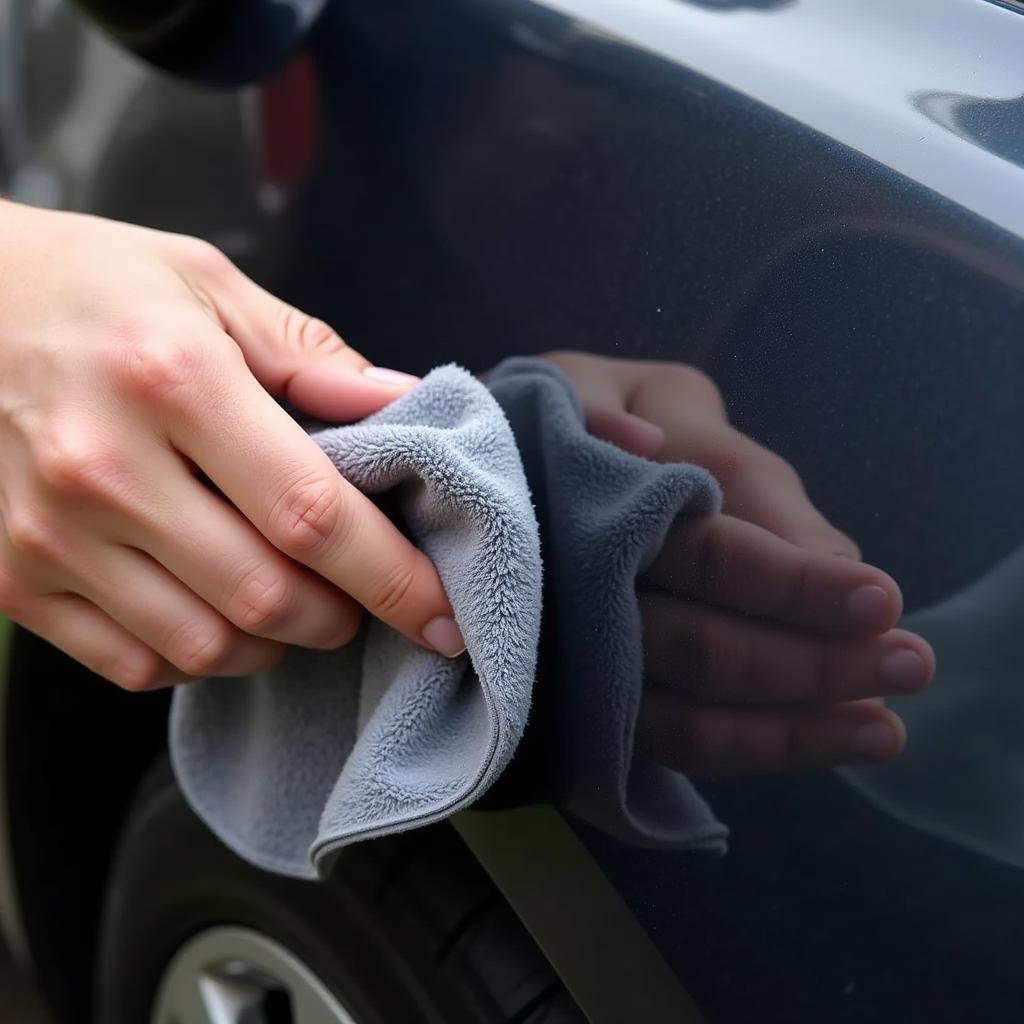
(131, 361)
(768, 643)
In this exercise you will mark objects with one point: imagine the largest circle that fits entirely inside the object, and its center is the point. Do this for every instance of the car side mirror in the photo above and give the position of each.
(226, 43)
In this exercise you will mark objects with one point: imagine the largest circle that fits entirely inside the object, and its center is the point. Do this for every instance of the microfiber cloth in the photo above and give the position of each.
(603, 514)
(333, 747)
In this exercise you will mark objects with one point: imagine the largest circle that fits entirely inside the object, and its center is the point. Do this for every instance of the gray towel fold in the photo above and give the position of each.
(603, 516)
(380, 736)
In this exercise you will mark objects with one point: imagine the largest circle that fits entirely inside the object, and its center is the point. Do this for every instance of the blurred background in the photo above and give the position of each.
(20, 1003)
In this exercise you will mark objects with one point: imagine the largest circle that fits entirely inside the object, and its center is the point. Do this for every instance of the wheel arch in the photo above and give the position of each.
(71, 754)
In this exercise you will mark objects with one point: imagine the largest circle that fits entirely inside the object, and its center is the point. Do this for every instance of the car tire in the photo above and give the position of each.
(407, 929)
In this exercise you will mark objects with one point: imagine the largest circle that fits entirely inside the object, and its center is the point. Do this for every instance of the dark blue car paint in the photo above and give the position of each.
(773, 192)
(821, 204)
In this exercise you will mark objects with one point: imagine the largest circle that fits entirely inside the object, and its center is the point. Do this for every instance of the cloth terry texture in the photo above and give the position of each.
(603, 515)
(333, 747)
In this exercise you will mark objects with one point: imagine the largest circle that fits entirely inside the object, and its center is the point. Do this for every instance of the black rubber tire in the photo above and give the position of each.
(408, 929)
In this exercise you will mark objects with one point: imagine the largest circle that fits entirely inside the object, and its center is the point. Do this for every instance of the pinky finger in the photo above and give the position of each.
(90, 636)
(731, 740)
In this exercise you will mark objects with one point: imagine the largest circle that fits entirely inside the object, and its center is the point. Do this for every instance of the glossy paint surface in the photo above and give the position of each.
(819, 203)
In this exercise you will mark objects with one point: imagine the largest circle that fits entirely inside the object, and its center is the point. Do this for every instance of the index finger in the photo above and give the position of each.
(269, 468)
(734, 564)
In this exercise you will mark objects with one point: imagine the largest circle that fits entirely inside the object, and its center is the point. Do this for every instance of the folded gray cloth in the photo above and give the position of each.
(381, 735)
(335, 747)
(603, 517)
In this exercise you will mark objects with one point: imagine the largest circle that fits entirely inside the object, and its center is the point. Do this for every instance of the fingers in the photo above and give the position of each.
(626, 431)
(278, 478)
(308, 362)
(701, 740)
(604, 387)
(734, 564)
(289, 352)
(91, 637)
(711, 656)
(230, 565)
(758, 486)
(675, 413)
(641, 386)
(143, 598)
(787, 650)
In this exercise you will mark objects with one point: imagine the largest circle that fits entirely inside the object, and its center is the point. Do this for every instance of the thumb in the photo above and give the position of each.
(305, 360)
(603, 386)
(625, 430)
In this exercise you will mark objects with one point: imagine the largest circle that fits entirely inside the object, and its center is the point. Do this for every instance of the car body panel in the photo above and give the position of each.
(807, 61)
(817, 202)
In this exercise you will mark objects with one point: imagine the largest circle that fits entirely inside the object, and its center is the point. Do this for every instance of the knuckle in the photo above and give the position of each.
(394, 590)
(32, 536)
(156, 366)
(305, 333)
(346, 631)
(568, 359)
(262, 600)
(198, 650)
(847, 544)
(730, 465)
(695, 382)
(781, 470)
(316, 336)
(744, 462)
(69, 463)
(797, 588)
(203, 256)
(140, 674)
(310, 514)
(685, 374)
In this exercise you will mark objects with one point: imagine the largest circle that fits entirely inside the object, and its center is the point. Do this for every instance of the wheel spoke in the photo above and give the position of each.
(232, 1001)
(182, 1003)
(237, 976)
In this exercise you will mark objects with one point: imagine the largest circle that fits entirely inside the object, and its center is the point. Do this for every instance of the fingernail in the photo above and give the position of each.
(869, 606)
(903, 670)
(444, 636)
(874, 742)
(385, 376)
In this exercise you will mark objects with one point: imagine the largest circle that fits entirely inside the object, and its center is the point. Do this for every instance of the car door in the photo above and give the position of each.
(816, 203)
